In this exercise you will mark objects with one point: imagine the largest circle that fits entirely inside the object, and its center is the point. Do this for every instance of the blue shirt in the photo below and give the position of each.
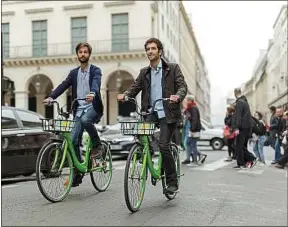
(156, 90)
(83, 88)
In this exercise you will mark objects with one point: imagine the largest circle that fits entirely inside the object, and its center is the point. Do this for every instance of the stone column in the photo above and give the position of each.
(113, 107)
(21, 99)
(40, 107)
(104, 101)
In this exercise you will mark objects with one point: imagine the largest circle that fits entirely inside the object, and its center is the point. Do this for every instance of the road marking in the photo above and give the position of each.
(10, 186)
(213, 165)
(251, 171)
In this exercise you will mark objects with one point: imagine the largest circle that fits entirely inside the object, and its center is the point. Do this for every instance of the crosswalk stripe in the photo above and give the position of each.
(213, 165)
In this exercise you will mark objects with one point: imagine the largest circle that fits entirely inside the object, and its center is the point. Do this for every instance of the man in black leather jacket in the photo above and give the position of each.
(242, 125)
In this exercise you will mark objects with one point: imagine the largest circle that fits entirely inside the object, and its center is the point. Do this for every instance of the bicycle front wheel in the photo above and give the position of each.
(101, 178)
(134, 181)
(49, 173)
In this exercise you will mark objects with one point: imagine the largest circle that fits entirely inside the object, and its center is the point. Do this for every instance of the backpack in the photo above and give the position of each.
(258, 127)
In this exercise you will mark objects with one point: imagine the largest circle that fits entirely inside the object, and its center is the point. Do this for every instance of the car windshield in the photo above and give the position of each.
(206, 124)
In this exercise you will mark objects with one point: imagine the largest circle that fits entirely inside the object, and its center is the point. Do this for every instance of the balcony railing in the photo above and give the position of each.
(66, 49)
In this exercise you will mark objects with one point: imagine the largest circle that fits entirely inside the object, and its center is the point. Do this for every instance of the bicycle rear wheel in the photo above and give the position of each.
(101, 178)
(47, 168)
(133, 178)
(175, 152)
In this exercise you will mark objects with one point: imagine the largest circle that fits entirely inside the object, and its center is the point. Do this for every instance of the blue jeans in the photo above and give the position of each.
(277, 150)
(258, 148)
(85, 121)
(191, 148)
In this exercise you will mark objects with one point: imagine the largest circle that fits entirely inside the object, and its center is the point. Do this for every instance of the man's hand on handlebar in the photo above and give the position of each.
(47, 101)
(90, 97)
(120, 97)
(174, 98)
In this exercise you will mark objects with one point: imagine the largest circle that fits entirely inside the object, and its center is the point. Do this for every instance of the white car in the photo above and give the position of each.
(210, 136)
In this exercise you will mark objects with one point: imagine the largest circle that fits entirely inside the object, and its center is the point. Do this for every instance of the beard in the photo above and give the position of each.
(153, 57)
(83, 59)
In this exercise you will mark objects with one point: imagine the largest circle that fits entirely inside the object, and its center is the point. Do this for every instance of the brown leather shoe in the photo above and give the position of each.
(96, 152)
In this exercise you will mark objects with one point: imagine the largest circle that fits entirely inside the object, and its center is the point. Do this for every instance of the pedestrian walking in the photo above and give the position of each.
(260, 136)
(192, 114)
(242, 125)
(229, 134)
(280, 128)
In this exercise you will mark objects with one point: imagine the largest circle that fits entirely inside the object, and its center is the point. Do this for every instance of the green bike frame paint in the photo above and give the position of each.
(68, 147)
(147, 160)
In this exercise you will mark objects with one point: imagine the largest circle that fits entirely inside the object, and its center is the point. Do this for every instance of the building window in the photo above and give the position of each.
(78, 31)
(5, 41)
(120, 32)
(163, 25)
(39, 38)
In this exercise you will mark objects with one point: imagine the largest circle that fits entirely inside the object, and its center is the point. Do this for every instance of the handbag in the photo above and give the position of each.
(227, 132)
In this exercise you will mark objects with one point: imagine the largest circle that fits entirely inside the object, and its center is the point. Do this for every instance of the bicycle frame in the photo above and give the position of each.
(147, 160)
(68, 147)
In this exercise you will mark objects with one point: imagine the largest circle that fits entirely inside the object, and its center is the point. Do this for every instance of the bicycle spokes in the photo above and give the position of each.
(101, 171)
(135, 179)
(54, 182)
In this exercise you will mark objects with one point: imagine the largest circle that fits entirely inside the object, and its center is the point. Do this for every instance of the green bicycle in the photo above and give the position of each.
(57, 159)
(140, 154)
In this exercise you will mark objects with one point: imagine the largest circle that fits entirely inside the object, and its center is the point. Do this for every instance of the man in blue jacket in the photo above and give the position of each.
(86, 82)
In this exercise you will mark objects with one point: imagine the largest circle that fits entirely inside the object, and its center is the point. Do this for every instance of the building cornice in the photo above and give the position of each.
(77, 7)
(8, 13)
(40, 10)
(279, 14)
(118, 3)
(23, 62)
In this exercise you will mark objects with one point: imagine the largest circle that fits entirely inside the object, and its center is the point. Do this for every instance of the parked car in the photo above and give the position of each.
(119, 144)
(211, 136)
(21, 139)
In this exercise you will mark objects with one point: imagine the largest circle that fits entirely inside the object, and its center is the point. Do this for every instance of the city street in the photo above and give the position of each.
(212, 194)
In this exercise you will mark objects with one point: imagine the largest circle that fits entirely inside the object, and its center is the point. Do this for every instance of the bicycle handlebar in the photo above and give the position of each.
(60, 111)
(133, 100)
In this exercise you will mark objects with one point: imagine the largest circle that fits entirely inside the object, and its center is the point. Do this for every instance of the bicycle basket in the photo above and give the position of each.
(57, 125)
(137, 128)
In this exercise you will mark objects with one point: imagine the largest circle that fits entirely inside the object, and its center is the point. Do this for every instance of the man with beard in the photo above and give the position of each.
(86, 82)
(161, 80)
(242, 125)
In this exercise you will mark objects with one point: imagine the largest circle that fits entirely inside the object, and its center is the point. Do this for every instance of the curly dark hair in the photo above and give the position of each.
(79, 45)
(154, 40)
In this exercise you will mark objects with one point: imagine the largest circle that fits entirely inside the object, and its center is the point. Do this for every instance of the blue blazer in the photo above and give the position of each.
(95, 85)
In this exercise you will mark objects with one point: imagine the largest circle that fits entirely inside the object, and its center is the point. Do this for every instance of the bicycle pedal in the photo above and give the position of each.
(153, 181)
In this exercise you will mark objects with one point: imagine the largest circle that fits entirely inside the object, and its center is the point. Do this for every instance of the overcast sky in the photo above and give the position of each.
(230, 35)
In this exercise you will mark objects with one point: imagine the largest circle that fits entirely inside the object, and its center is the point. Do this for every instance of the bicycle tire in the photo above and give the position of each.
(175, 152)
(126, 180)
(38, 173)
(109, 156)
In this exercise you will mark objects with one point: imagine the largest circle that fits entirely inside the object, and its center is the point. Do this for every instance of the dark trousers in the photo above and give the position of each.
(242, 153)
(166, 133)
(231, 148)
(284, 159)
(177, 137)
(85, 121)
